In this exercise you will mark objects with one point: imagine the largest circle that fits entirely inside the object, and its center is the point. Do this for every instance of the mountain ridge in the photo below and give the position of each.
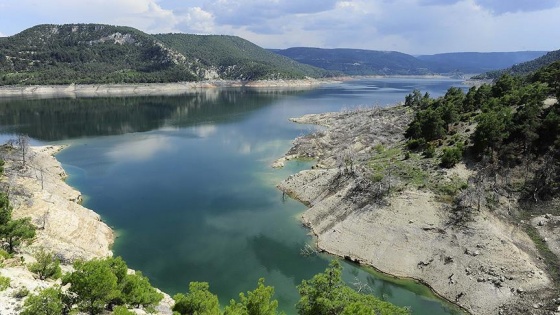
(99, 53)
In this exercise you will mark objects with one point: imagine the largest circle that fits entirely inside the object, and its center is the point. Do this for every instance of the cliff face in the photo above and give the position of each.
(486, 267)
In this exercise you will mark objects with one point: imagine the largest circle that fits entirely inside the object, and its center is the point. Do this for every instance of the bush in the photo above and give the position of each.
(416, 144)
(451, 156)
(122, 310)
(430, 151)
(48, 301)
(47, 266)
(4, 283)
(21, 293)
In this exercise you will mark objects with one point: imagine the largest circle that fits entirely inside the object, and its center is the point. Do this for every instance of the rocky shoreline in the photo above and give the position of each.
(64, 227)
(491, 267)
(100, 90)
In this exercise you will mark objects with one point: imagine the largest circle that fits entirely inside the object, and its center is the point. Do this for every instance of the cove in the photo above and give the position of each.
(186, 181)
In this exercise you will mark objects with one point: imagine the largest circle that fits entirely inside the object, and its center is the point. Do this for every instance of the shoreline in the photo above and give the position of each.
(147, 89)
(175, 88)
(64, 227)
(407, 237)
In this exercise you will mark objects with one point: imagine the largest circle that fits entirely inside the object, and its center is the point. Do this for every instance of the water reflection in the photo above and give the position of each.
(59, 119)
(142, 149)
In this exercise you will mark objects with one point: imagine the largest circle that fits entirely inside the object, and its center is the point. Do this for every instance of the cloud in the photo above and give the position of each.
(410, 26)
(146, 15)
(501, 6)
(195, 20)
(140, 150)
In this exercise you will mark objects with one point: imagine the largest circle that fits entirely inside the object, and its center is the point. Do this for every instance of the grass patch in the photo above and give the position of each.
(550, 259)
(395, 163)
(446, 190)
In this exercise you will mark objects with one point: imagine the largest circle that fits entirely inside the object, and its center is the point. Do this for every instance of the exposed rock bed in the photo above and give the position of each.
(99, 90)
(486, 268)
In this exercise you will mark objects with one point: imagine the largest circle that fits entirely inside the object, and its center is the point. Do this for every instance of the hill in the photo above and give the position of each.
(232, 57)
(357, 61)
(96, 53)
(373, 62)
(523, 68)
(477, 62)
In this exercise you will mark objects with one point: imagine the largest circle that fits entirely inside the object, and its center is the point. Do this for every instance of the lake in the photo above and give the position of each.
(186, 183)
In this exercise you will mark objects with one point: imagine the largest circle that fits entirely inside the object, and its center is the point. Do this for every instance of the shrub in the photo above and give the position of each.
(416, 144)
(47, 266)
(21, 293)
(430, 151)
(122, 310)
(48, 301)
(4, 283)
(451, 156)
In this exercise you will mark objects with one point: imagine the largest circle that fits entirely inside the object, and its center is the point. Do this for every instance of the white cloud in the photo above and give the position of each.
(195, 20)
(410, 26)
(140, 150)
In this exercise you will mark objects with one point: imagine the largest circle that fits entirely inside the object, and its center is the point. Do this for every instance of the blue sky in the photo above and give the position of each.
(409, 26)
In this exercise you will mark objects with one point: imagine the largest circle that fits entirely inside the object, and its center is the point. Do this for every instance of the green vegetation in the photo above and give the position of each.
(13, 232)
(524, 68)
(505, 128)
(96, 53)
(46, 266)
(4, 283)
(99, 284)
(372, 62)
(257, 302)
(324, 294)
(358, 61)
(48, 301)
(236, 58)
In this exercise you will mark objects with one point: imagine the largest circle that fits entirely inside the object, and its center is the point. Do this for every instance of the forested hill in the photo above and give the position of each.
(373, 62)
(523, 68)
(477, 62)
(95, 53)
(357, 61)
(235, 57)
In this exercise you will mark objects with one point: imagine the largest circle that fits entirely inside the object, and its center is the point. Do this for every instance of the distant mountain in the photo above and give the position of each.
(357, 61)
(96, 53)
(476, 62)
(525, 67)
(374, 62)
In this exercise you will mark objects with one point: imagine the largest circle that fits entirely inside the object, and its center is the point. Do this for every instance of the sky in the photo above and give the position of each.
(409, 26)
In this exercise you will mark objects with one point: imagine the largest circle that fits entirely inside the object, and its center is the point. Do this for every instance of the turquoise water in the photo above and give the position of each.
(186, 181)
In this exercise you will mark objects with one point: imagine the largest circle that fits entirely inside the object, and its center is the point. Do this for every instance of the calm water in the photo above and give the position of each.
(186, 181)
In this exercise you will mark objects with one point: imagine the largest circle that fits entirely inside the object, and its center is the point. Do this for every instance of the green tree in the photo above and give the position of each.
(46, 302)
(46, 266)
(493, 127)
(137, 290)
(93, 283)
(198, 301)
(16, 232)
(326, 294)
(257, 302)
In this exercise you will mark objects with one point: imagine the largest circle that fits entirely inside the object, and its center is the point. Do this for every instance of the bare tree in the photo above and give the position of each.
(22, 142)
